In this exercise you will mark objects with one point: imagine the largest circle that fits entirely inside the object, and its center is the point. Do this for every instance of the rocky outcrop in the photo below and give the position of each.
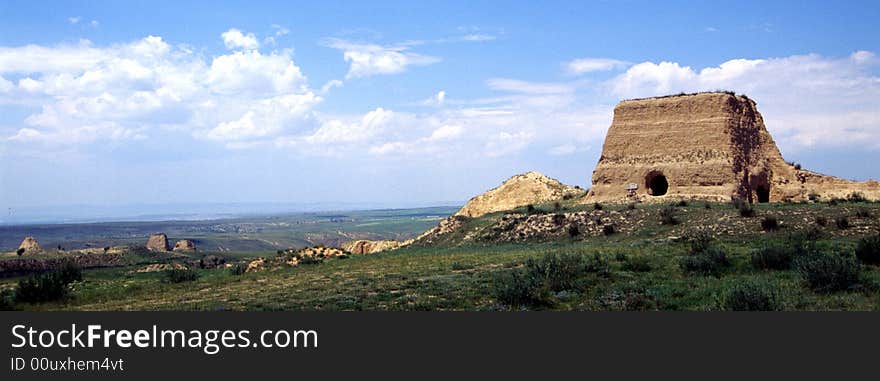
(363, 246)
(520, 190)
(711, 146)
(156, 267)
(320, 252)
(443, 230)
(185, 245)
(158, 242)
(29, 245)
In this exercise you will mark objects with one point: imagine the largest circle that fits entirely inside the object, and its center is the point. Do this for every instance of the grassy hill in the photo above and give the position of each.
(715, 257)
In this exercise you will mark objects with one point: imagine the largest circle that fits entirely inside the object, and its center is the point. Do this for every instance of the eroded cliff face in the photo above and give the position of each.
(711, 146)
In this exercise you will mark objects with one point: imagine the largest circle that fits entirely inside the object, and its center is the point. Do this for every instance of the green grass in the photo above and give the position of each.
(453, 275)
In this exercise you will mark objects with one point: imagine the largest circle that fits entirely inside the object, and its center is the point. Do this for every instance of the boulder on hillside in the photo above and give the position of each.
(158, 242)
(185, 245)
(29, 245)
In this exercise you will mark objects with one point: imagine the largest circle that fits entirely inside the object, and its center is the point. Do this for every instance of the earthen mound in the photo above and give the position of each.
(29, 245)
(158, 242)
(520, 190)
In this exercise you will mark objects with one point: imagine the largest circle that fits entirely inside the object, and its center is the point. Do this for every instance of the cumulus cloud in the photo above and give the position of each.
(587, 65)
(127, 91)
(370, 59)
(235, 39)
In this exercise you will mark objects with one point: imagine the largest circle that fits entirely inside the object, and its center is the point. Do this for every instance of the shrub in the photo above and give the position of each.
(631, 206)
(597, 206)
(704, 257)
(638, 264)
(515, 288)
(712, 261)
(776, 257)
(608, 229)
(813, 233)
(310, 260)
(20, 251)
(827, 272)
(530, 208)
(746, 210)
(863, 213)
(7, 300)
(700, 241)
(458, 266)
(813, 196)
(707, 205)
(797, 166)
(535, 283)
(868, 250)
(668, 217)
(558, 219)
(856, 197)
(682, 203)
(821, 220)
(48, 286)
(842, 222)
(180, 275)
(752, 296)
(237, 269)
(573, 231)
(770, 223)
(557, 206)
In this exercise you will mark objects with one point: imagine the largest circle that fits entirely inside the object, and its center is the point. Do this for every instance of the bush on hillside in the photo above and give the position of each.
(48, 286)
(828, 272)
(868, 250)
(180, 275)
(668, 217)
(752, 296)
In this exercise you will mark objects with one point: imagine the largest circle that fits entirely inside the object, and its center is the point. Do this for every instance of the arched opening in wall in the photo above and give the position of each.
(763, 193)
(656, 183)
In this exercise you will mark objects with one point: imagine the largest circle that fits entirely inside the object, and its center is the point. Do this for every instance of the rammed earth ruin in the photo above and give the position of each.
(710, 146)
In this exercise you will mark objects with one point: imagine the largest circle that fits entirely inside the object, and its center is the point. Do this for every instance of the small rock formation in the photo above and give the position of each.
(158, 242)
(711, 146)
(160, 267)
(185, 245)
(519, 190)
(258, 264)
(30, 246)
(363, 246)
(320, 252)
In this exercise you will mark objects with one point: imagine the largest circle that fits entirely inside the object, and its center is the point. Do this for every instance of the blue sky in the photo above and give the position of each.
(398, 102)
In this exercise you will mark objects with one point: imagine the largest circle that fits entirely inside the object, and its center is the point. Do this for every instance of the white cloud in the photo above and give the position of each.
(235, 39)
(280, 30)
(370, 59)
(93, 23)
(128, 91)
(74, 19)
(338, 131)
(447, 132)
(330, 85)
(587, 65)
(476, 37)
(561, 150)
(519, 86)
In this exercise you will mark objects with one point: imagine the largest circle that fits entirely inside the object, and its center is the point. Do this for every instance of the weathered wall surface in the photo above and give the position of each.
(710, 146)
